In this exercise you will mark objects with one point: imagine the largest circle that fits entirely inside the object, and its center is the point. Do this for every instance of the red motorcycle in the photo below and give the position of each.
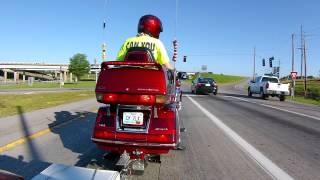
(141, 117)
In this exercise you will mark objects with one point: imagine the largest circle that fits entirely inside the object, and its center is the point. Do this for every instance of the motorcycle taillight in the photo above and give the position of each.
(110, 98)
(103, 134)
(161, 138)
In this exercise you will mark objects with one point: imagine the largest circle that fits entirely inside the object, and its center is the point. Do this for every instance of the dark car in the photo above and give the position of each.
(204, 86)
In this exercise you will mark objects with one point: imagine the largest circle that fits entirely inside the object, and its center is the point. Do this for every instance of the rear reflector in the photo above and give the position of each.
(103, 134)
(161, 138)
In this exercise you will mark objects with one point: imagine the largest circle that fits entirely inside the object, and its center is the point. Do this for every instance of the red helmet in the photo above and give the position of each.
(151, 25)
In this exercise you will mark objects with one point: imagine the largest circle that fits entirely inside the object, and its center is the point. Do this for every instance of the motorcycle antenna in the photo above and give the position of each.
(104, 25)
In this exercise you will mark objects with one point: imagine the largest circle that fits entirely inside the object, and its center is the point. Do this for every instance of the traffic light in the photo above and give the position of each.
(175, 50)
(263, 62)
(184, 58)
(270, 61)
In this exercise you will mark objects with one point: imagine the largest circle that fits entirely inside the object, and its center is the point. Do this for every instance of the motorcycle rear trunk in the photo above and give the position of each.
(141, 114)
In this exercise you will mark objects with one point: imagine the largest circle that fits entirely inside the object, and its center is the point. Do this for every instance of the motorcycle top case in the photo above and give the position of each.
(132, 78)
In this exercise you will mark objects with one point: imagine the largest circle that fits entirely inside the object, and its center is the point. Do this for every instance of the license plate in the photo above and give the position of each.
(207, 84)
(133, 118)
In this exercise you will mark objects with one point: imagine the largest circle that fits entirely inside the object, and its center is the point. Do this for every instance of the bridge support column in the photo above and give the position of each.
(70, 78)
(65, 78)
(55, 74)
(5, 75)
(23, 78)
(60, 76)
(15, 76)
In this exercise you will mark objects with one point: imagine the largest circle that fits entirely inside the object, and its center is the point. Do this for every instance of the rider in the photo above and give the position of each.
(149, 29)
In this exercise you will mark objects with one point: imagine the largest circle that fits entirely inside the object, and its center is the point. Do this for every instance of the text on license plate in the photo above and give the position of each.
(207, 84)
(132, 118)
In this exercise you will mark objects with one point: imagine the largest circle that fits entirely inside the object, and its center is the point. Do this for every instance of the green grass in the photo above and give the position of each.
(88, 77)
(219, 78)
(313, 88)
(80, 84)
(11, 103)
(306, 100)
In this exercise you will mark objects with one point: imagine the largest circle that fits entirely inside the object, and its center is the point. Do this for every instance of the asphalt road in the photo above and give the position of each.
(229, 136)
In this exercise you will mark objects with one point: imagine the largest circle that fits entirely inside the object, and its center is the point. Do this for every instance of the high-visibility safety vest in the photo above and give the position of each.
(141, 40)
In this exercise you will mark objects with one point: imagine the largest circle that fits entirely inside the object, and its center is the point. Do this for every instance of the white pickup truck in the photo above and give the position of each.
(268, 86)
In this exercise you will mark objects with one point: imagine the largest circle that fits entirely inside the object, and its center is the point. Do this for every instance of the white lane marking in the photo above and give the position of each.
(280, 109)
(194, 95)
(272, 169)
(238, 98)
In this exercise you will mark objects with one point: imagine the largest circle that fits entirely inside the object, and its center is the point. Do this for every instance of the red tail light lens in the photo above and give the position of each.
(147, 99)
(110, 97)
(103, 134)
(161, 138)
(125, 98)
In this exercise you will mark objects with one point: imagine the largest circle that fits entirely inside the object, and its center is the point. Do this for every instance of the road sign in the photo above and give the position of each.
(294, 75)
(204, 67)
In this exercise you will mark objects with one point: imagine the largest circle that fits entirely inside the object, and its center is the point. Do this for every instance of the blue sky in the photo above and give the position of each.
(219, 34)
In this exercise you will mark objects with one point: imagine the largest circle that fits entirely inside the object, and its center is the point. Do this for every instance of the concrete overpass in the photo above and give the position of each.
(61, 70)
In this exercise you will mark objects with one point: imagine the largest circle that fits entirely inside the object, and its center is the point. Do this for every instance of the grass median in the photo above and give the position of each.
(219, 78)
(305, 100)
(30, 102)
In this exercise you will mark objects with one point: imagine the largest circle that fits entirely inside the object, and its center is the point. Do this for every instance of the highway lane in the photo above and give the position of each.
(291, 142)
(239, 92)
(203, 158)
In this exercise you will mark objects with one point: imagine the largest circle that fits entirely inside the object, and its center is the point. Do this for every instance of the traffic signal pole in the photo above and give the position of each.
(301, 48)
(254, 64)
(305, 68)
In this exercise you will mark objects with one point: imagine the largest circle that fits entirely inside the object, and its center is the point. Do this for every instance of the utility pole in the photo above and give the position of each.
(292, 68)
(254, 64)
(305, 68)
(301, 52)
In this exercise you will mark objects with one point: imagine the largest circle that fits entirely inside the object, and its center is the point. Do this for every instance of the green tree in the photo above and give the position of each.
(79, 65)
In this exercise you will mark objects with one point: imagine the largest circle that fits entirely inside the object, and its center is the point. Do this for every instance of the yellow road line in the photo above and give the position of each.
(24, 140)
(35, 135)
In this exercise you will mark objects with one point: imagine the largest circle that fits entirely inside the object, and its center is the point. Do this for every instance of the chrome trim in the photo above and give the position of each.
(133, 143)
